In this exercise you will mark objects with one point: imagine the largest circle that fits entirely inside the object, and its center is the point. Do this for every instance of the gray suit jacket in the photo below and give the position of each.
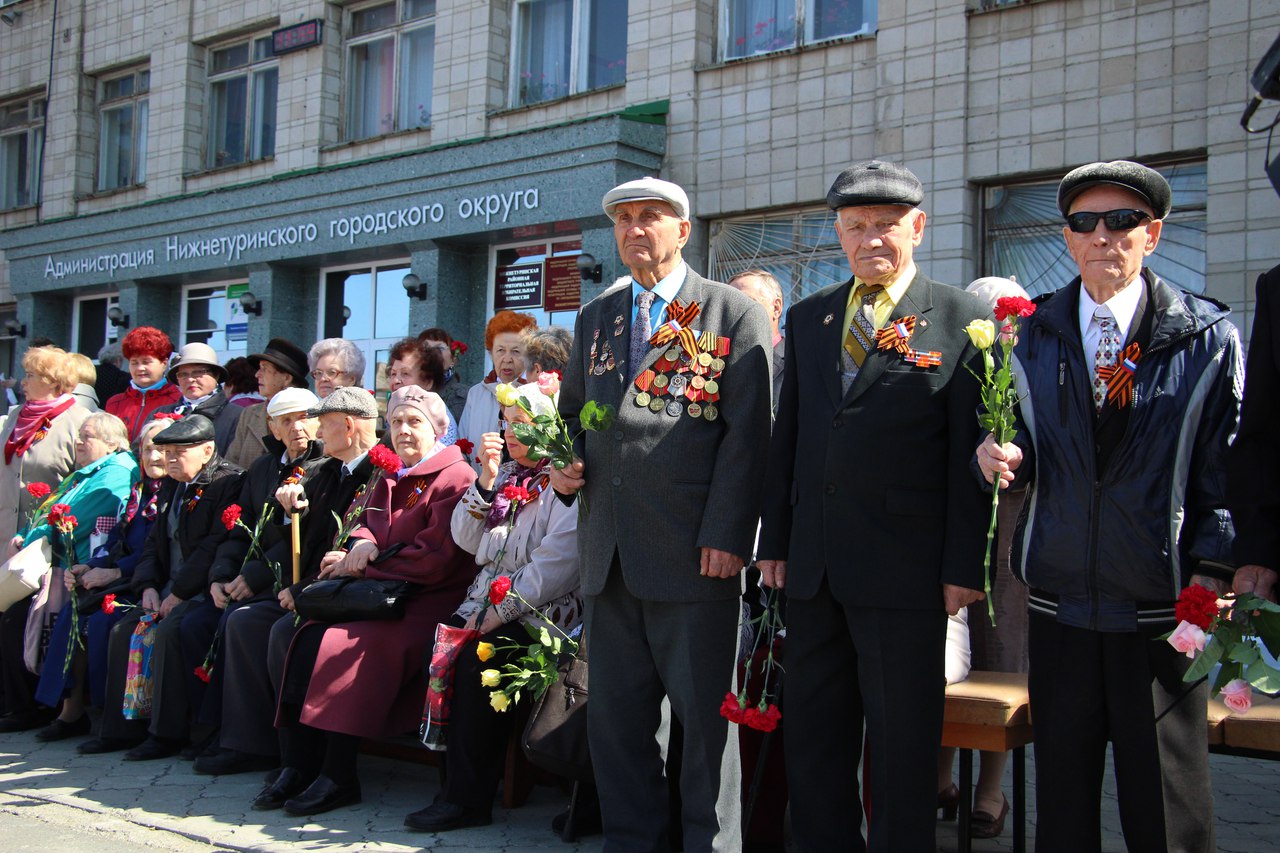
(660, 488)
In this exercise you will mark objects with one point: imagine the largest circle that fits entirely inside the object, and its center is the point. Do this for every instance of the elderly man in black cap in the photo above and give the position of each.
(199, 376)
(248, 739)
(171, 578)
(282, 364)
(1131, 395)
(872, 522)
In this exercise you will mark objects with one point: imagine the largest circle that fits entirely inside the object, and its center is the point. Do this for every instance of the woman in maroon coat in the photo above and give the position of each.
(352, 680)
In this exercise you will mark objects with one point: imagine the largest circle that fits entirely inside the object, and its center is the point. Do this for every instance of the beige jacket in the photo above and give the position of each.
(47, 461)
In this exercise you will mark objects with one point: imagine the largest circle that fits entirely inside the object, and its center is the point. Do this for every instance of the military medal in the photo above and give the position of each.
(673, 409)
(617, 326)
(643, 382)
(919, 358)
(895, 335)
(677, 386)
(695, 411)
(710, 412)
(656, 405)
(661, 381)
(711, 387)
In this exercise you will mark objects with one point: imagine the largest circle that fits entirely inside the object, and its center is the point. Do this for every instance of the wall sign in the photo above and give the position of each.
(518, 286)
(564, 285)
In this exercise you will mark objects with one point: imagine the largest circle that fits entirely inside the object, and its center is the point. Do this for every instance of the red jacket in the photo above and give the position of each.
(134, 407)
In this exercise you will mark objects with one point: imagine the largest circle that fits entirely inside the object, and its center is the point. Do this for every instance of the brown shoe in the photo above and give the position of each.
(983, 825)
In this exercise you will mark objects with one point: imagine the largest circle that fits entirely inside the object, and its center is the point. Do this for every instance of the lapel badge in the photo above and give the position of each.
(617, 326)
(826, 321)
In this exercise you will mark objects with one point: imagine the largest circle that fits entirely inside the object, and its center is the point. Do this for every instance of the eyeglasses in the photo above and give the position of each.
(193, 373)
(1127, 219)
(325, 374)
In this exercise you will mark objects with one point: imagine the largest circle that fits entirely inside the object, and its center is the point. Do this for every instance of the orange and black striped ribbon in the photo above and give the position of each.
(1119, 377)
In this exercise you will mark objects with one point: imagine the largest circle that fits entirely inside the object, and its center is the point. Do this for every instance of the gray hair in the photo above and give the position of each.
(547, 347)
(152, 426)
(107, 427)
(764, 280)
(350, 358)
(991, 288)
(111, 354)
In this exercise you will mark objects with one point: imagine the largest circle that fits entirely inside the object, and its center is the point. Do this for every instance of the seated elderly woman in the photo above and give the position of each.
(350, 680)
(335, 363)
(534, 543)
(106, 571)
(94, 492)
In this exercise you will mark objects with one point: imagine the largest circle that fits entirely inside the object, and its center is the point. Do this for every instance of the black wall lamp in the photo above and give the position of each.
(589, 269)
(251, 304)
(117, 317)
(14, 328)
(414, 286)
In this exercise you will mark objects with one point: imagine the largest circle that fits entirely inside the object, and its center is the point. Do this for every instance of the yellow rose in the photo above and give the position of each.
(484, 651)
(506, 394)
(489, 678)
(499, 700)
(982, 333)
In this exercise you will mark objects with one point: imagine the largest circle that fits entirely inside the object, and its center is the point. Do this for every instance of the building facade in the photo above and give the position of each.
(174, 159)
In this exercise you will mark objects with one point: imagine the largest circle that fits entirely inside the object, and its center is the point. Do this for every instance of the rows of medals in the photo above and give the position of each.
(684, 379)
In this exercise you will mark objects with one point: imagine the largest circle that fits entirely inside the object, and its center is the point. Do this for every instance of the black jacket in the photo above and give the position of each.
(199, 531)
(224, 414)
(258, 489)
(1134, 532)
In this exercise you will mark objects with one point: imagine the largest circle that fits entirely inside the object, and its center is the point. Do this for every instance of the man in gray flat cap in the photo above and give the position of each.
(670, 491)
(1131, 395)
(872, 521)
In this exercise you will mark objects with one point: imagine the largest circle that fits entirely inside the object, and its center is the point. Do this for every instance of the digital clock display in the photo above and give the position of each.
(297, 37)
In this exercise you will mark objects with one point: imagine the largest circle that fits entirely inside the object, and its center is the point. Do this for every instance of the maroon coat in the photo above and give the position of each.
(369, 678)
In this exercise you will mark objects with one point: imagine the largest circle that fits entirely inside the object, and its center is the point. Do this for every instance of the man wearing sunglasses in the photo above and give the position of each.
(1131, 396)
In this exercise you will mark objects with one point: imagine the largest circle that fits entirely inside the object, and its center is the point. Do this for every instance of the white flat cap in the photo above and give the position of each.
(647, 189)
(291, 400)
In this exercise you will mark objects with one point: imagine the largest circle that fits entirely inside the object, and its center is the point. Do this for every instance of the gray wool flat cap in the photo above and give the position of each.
(192, 429)
(357, 402)
(1135, 177)
(875, 182)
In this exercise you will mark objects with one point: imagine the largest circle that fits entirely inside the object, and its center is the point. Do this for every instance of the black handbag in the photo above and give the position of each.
(349, 599)
(555, 738)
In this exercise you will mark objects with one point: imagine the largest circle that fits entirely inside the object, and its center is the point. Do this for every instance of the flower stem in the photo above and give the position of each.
(986, 557)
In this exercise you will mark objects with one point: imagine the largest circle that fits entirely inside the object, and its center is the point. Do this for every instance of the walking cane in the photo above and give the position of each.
(295, 522)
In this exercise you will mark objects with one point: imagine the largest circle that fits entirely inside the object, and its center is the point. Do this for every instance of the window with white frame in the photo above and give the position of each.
(122, 130)
(563, 47)
(243, 78)
(390, 61)
(752, 27)
(21, 131)
(210, 315)
(368, 306)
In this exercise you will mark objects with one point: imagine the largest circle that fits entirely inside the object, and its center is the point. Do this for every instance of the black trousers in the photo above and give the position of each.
(478, 734)
(850, 668)
(248, 705)
(18, 683)
(1089, 688)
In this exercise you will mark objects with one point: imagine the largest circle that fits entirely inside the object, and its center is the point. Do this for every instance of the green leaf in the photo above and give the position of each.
(1267, 624)
(1244, 653)
(1228, 672)
(1205, 661)
(544, 637)
(1263, 676)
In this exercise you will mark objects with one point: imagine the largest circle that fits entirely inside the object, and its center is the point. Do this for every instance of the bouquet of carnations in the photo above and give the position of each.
(1233, 631)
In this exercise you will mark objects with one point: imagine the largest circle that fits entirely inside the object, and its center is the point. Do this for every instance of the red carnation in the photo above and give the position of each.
(516, 494)
(203, 673)
(385, 458)
(39, 491)
(230, 516)
(167, 416)
(1198, 606)
(458, 347)
(465, 446)
(731, 708)
(498, 589)
(109, 604)
(60, 517)
(764, 721)
(1014, 306)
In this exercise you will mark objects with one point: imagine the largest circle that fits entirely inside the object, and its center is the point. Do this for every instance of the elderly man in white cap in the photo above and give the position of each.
(672, 489)
(199, 376)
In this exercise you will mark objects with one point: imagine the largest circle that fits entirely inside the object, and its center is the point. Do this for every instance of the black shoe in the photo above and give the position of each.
(586, 822)
(99, 745)
(207, 745)
(323, 795)
(22, 722)
(224, 762)
(287, 784)
(441, 816)
(61, 730)
(152, 748)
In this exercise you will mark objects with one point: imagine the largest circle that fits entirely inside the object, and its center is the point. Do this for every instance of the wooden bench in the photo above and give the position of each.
(989, 711)
(1255, 734)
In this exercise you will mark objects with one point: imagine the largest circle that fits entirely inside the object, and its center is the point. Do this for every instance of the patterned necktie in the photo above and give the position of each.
(860, 338)
(640, 331)
(1108, 354)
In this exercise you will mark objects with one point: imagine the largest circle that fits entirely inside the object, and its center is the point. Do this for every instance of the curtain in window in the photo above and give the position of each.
(759, 26)
(546, 31)
(418, 56)
(265, 84)
(604, 36)
(115, 147)
(17, 177)
(370, 108)
(139, 163)
(227, 109)
(833, 18)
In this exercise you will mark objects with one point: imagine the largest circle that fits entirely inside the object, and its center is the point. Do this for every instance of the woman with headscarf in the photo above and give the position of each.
(352, 680)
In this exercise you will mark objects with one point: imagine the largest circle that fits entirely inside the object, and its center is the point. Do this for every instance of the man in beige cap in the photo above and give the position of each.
(199, 376)
(671, 491)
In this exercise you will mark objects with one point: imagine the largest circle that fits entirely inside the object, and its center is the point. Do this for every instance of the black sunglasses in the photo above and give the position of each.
(1126, 219)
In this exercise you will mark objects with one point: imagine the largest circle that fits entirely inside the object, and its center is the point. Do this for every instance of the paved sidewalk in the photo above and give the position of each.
(194, 812)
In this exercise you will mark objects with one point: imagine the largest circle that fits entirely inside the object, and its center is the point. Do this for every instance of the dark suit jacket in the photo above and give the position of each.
(1254, 460)
(872, 489)
(660, 488)
(779, 370)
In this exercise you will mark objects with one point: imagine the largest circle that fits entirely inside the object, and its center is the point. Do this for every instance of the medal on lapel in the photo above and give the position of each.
(1119, 377)
(644, 381)
(918, 358)
(618, 328)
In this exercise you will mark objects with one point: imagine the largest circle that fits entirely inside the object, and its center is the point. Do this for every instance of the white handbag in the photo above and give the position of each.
(24, 572)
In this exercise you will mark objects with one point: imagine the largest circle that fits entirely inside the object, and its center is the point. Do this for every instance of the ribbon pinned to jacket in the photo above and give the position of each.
(1119, 377)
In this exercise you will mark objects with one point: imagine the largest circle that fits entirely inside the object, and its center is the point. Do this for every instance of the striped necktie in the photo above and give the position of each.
(860, 337)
